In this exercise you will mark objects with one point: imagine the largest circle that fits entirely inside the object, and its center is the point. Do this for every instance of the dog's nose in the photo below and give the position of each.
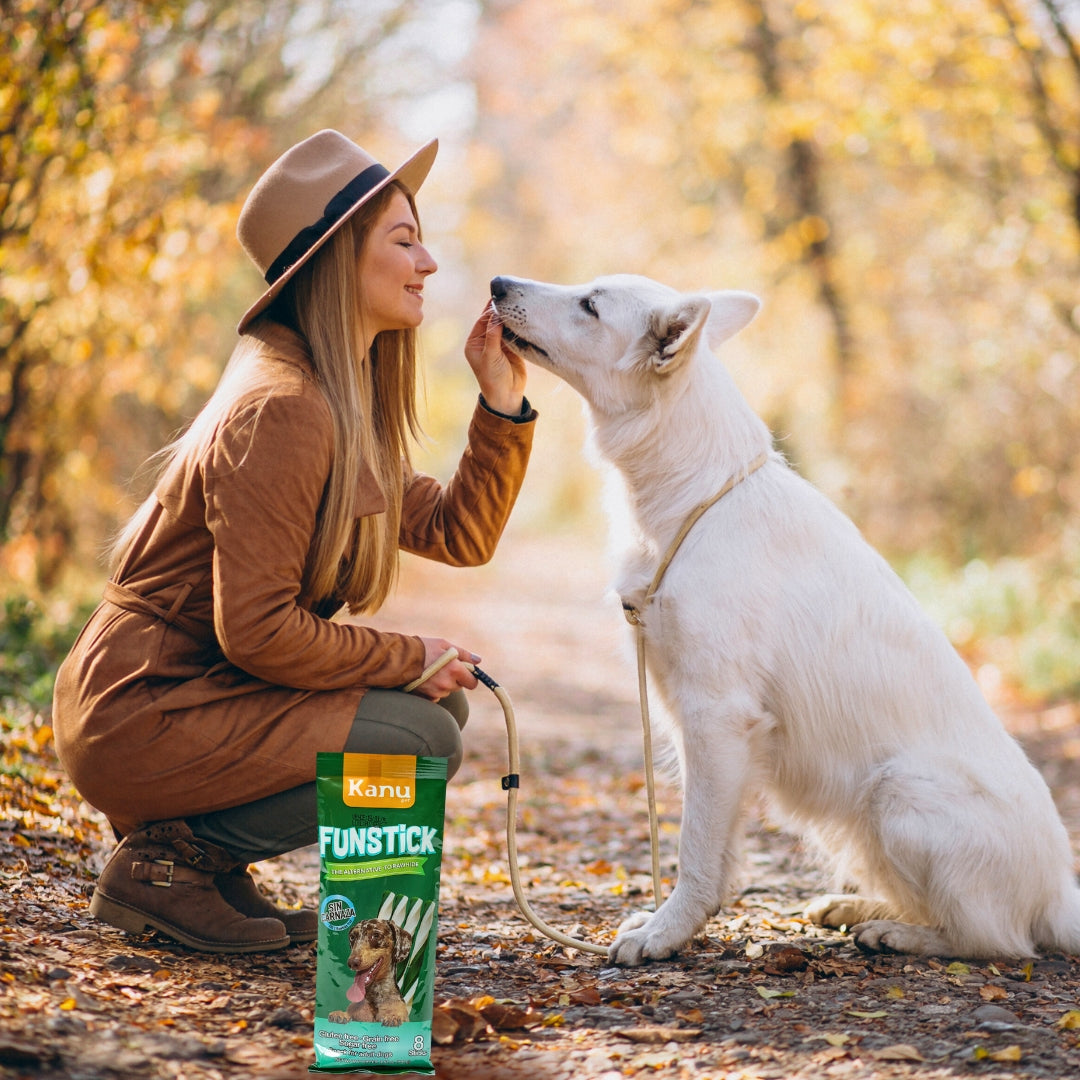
(498, 288)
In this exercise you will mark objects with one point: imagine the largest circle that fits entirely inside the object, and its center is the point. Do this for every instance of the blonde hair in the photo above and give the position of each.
(372, 402)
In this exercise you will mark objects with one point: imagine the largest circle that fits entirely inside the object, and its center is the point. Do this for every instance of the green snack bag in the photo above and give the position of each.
(380, 852)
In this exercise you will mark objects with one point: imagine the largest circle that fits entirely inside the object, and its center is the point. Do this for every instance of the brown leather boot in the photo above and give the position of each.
(162, 876)
(241, 892)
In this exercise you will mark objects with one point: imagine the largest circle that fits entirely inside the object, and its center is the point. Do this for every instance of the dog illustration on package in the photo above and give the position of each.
(376, 947)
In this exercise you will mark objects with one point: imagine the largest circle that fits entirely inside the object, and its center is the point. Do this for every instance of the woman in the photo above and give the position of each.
(192, 706)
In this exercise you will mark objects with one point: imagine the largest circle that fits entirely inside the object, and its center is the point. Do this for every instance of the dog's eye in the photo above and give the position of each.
(588, 305)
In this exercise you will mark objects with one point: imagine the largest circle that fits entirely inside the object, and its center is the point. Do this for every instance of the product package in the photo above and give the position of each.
(380, 847)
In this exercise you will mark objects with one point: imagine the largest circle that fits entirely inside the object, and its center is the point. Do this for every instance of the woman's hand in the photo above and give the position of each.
(455, 675)
(499, 371)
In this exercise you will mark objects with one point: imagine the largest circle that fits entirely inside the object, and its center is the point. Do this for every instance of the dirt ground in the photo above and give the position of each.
(761, 994)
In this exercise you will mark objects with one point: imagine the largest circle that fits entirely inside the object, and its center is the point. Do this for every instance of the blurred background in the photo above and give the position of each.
(900, 183)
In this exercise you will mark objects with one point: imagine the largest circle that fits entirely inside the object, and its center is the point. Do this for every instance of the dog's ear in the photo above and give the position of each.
(729, 312)
(674, 332)
(402, 943)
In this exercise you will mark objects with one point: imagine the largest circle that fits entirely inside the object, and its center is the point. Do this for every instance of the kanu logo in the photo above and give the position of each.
(387, 780)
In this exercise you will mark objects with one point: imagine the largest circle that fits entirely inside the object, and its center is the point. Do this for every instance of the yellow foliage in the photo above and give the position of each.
(1070, 1021)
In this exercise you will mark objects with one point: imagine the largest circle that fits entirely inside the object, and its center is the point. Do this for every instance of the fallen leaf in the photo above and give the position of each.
(838, 968)
(658, 1034)
(899, 1052)
(768, 994)
(691, 1016)
(258, 1059)
(460, 1021)
(832, 1053)
(867, 1015)
(1010, 1053)
(587, 995)
(444, 1027)
(956, 968)
(993, 993)
(653, 1061)
(894, 992)
(835, 1038)
(506, 1016)
(1070, 1021)
(784, 960)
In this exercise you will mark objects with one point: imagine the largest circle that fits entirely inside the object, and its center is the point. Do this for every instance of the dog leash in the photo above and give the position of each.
(634, 617)
(511, 783)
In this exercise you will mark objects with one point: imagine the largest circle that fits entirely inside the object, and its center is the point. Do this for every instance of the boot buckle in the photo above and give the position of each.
(167, 883)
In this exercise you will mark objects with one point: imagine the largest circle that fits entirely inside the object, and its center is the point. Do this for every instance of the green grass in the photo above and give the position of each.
(32, 647)
(33, 643)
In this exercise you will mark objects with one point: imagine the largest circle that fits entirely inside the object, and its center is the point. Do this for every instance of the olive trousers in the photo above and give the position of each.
(386, 722)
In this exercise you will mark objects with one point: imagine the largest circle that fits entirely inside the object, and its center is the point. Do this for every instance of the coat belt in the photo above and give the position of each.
(129, 600)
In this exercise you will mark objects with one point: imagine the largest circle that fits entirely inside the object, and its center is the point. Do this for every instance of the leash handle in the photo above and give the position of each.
(436, 665)
(440, 662)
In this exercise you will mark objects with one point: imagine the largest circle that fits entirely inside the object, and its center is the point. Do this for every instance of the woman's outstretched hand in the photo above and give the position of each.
(499, 370)
(455, 675)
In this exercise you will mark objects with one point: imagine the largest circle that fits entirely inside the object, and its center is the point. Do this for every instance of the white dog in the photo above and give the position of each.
(791, 659)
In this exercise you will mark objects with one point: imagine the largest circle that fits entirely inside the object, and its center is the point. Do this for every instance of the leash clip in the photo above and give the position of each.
(633, 616)
(511, 781)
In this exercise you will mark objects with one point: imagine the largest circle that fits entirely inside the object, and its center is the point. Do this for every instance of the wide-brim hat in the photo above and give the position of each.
(306, 196)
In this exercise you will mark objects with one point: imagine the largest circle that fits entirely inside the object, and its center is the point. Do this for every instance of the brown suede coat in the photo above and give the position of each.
(201, 681)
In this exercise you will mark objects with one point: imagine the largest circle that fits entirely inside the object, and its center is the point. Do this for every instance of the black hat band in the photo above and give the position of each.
(338, 206)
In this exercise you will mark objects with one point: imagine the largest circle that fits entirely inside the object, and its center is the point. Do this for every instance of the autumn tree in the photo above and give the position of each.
(128, 131)
(898, 182)
(1048, 44)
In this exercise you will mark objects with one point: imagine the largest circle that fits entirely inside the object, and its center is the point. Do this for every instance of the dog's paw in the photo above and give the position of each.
(338, 1017)
(888, 936)
(641, 938)
(837, 911)
(629, 949)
